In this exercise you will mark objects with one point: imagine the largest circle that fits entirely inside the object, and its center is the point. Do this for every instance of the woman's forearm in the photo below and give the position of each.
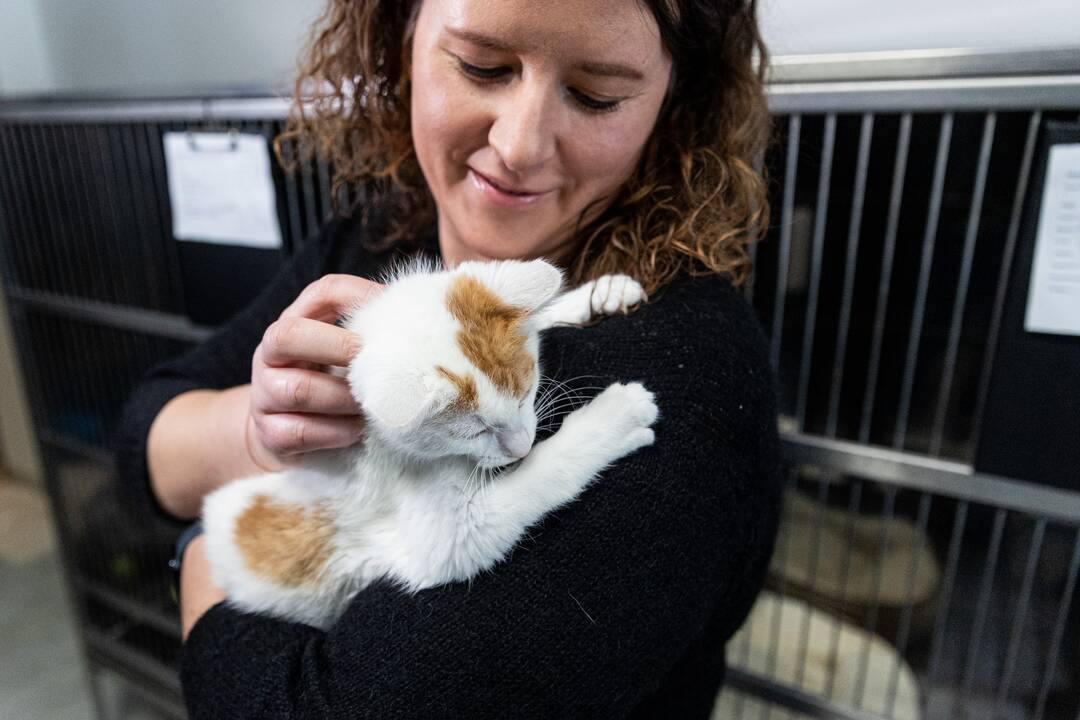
(196, 443)
(198, 593)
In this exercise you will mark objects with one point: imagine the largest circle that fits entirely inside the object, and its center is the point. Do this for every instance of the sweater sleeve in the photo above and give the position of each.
(600, 604)
(222, 361)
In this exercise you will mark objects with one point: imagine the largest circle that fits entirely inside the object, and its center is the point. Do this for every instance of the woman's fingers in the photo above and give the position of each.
(292, 340)
(331, 297)
(296, 408)
(305, 391)
(285, 434)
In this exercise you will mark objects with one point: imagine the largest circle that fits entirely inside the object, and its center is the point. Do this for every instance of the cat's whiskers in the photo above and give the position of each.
(567, 382)
(545, 389)
(557, 409)
(555, 388)
(565, 385)
(485, 479)
(468, 490)
(555, 405)
(557, 393)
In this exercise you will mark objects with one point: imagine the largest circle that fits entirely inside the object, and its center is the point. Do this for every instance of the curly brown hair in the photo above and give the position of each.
(694, 203)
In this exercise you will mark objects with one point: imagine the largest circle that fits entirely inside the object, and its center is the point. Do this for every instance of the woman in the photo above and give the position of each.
(607, 136)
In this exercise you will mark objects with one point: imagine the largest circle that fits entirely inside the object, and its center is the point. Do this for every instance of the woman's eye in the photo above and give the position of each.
(482, 74)
(492, 74)
(591, 104)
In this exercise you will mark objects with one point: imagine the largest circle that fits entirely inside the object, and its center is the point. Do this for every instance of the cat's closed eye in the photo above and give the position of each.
(474, 429)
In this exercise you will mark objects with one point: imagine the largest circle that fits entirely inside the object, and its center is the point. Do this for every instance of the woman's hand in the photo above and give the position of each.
(202, 439)
(296, 405)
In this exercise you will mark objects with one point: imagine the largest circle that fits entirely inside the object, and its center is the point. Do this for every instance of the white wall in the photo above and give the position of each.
(827, 26)
(25, 65)
(154, 46)
(174, 45)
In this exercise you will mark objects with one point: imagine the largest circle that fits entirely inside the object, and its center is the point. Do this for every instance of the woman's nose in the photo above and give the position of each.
(523, 132)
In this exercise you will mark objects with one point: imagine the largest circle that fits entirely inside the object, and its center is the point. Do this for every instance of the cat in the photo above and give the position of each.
(446, 480)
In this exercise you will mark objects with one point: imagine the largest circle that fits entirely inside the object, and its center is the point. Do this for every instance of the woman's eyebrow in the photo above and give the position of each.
(611, 70)
(598, 69)
(484, 41)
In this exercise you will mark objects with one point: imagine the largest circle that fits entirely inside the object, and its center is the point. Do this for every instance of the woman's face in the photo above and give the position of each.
(526, 113)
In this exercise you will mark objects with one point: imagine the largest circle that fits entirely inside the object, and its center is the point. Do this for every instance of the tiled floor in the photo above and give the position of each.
(41, 669)
(42, 674)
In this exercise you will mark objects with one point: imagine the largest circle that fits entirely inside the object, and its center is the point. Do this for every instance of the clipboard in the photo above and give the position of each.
(225, 217)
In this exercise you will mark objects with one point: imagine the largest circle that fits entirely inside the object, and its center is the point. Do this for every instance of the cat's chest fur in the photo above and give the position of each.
(422, 518)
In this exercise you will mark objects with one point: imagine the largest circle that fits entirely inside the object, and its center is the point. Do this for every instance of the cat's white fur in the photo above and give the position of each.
(419, 502)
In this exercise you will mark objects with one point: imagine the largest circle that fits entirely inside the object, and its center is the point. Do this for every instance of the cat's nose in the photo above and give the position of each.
(515, 443)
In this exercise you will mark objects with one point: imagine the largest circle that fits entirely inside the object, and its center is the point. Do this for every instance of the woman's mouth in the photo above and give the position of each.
(502, 195)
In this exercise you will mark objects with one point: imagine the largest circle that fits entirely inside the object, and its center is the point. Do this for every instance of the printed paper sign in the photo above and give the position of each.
(221, 189)
(1053, 304)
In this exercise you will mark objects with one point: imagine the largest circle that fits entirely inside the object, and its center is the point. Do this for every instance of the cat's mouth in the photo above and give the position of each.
(498, 463)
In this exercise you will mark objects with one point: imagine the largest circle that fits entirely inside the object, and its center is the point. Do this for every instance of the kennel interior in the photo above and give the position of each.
(907, 581)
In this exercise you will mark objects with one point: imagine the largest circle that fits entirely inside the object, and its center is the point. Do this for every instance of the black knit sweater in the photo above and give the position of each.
(617, 605)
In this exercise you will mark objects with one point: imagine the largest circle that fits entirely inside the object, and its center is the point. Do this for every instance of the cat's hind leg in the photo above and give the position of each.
(270, 541)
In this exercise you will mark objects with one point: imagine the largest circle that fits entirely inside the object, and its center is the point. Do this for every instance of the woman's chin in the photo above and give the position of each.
(487, 249)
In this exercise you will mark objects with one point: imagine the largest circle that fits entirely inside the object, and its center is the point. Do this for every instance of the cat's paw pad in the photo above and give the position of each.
(624, 413)
(631, 403)
(611, 294)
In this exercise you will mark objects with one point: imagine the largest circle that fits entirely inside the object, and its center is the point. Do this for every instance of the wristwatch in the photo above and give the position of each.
(189, 534)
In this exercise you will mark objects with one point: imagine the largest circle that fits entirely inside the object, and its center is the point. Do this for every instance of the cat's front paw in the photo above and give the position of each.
(607, 295)
(611, 294)
(620, 418)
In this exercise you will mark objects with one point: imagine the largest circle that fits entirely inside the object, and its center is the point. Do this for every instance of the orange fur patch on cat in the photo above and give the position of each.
(491, 335)
(468, 397)
(284, 543)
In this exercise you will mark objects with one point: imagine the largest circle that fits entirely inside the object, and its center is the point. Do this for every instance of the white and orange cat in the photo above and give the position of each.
(447, 380)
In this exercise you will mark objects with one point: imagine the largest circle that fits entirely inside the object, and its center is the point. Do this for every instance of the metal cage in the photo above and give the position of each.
(905, 584)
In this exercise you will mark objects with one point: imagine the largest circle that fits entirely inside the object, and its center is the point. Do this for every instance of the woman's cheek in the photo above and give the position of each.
(598, 154)
(448, 125)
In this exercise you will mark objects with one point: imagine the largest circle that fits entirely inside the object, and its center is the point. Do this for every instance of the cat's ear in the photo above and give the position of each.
(404, 402)
(526, 285)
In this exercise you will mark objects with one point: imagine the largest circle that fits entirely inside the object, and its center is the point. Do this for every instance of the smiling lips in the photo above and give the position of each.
(502, 194)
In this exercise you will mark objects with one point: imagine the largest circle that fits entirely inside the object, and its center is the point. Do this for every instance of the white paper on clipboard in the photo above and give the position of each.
(1053, 304)
(221, 190)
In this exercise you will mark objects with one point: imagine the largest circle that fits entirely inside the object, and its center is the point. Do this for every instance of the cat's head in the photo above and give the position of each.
(448, 363)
